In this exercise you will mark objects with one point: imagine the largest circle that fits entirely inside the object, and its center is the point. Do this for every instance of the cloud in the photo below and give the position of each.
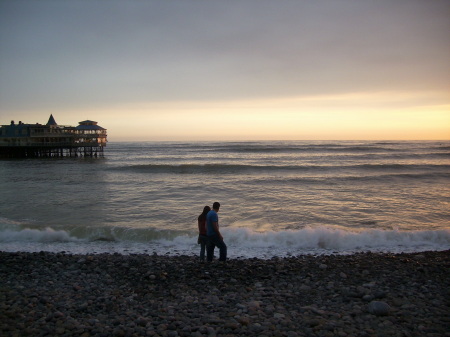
(97, 56)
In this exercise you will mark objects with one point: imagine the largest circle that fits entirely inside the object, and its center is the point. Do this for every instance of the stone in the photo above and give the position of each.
(254, 304)
(378, 308)
(367, 298)
(250, 297)
(304, 287)
(244, 320)
(141, 321)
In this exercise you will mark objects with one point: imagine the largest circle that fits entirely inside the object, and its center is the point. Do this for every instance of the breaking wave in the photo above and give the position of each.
(340, 240)
(35, 235)
(238, 168)
(242, 242)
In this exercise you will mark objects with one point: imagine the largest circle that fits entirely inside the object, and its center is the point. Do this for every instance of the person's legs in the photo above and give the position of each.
(202, 250)
(210, 250)
(203, 245)
(223, 250)
(216, 242)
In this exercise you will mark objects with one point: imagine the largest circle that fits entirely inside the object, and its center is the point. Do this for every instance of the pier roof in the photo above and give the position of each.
(89, 127)
(88, 122)
(51, 121)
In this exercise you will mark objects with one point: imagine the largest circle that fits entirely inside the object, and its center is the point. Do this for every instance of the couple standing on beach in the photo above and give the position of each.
(209, 235)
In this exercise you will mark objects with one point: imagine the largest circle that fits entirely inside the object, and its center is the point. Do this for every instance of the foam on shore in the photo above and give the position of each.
(242, 242)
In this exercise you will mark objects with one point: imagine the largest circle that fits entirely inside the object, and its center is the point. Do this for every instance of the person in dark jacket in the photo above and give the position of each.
(202, 238)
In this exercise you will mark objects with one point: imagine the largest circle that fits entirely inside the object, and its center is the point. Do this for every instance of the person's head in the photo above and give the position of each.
(216, 206)
(206, 209)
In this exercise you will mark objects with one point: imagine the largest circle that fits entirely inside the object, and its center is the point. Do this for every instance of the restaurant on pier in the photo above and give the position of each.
(88, 139)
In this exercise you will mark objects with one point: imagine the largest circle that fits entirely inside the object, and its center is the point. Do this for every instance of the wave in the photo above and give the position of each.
(320, 147)
(285, 147)
(362, 178)
(46, 235)
(242, 168)
(307, 148)
(86, 233)
(241, 241)
(343, 240)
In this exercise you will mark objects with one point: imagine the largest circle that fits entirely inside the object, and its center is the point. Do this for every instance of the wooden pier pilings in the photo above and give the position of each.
(48, 152)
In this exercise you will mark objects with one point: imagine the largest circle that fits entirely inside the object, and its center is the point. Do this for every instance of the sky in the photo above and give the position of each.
(230, 70)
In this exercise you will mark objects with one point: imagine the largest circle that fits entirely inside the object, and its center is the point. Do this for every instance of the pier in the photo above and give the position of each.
(21, 140)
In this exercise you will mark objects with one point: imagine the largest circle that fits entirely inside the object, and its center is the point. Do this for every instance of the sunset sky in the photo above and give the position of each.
(230, 70)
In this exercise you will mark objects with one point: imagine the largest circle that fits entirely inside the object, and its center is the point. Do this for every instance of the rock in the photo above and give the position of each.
(141, 321)
(313, 322)
(254, 304)
(211, 332)
(231, 325)
(74, 295)
(378, 308)
(58, 314)
(118, 332)
(367, 298)
(244, 320)
(304, 287)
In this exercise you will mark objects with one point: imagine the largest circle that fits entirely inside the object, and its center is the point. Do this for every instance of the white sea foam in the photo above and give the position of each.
(242, 242)
(340, 240)
(35, 235)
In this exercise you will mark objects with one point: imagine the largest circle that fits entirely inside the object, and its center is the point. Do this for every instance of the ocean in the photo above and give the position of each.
(278, 198)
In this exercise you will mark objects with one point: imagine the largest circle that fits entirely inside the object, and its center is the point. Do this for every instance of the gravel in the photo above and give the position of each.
(48, 294)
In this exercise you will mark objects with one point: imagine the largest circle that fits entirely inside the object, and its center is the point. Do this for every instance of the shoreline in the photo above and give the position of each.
(363, 294)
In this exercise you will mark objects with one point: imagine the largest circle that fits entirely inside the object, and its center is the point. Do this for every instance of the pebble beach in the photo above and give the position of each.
(366, 294)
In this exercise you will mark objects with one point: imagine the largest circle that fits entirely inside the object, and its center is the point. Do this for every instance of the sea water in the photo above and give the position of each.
(282, 198)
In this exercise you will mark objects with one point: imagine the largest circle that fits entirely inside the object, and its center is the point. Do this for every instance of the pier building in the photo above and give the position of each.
(88, 139)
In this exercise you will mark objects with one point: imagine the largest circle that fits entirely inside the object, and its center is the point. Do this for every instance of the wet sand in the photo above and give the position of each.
(47, 294)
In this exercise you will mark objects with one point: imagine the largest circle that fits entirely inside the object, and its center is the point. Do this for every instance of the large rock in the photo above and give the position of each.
(378, 308)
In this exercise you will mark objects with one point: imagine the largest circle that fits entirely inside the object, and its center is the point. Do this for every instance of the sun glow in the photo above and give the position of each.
(350, 116)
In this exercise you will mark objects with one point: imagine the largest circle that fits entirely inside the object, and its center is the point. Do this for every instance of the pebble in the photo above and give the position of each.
(367, 294)
(378, 308)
